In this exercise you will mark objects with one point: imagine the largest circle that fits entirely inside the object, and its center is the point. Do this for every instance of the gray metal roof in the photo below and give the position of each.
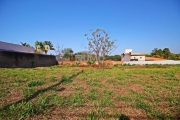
(15, 47)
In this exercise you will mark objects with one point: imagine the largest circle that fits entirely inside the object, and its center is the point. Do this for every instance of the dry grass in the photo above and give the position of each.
(116, 93)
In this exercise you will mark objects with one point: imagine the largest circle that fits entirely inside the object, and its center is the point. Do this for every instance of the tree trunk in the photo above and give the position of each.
(99, 62)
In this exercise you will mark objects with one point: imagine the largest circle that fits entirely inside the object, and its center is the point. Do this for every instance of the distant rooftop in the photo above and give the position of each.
(141, 53)
(15, 47)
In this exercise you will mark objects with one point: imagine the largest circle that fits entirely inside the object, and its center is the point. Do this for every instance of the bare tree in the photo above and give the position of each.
(100, 44)
(58, 50)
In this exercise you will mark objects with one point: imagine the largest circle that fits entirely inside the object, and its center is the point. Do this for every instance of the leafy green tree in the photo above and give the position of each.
(160, 53)
(178, 56)
(100, 44)
(167, 53)
(67, 52)
(114, 58)
(154, 51)
(174, 56)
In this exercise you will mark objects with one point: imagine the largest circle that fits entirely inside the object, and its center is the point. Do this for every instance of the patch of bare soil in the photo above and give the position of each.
(154, 58)
(75, 113)
(14, 96)
(136, 87)
(107, 63)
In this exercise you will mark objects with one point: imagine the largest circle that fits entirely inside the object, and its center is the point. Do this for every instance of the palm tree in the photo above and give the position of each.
(25, 44)
(47, 46)
(39, 46)
(50, 45)
(44, 46)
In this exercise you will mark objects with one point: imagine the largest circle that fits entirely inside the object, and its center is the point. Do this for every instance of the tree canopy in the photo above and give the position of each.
(165, 53)
(67, 52)
(43, 46)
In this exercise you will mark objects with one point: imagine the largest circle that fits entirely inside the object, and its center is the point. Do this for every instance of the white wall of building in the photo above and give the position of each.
(125, 58)
(127, 51)
(153, 62)
(140, 58)
(15, 47)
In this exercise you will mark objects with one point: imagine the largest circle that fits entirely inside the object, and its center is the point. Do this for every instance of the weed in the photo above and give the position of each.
(94, 82)
(18, 81)
(91, 116)
(59, 100)
(116, 65)
(102, 113)
(89, 62)
(93, 94)
(36, 83)
(123, 98)
(106, 102)
(126, 64)
(79, 88)
(66, 80)
(108, 93)
(76, 99)
(28, 91)
(53, 79)
(77, 64)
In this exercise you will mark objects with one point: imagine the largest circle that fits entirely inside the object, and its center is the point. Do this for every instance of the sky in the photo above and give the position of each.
(140, 25)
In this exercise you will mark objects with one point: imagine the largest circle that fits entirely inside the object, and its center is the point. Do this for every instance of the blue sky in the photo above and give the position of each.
(141, 25)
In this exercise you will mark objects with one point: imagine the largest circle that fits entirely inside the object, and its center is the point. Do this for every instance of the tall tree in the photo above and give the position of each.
(160, 53)
(167, 53)
(43, 46)
(100, 44)
(154, 51)
(58, 50)
(39, 46)
(49, 44)
(67, 52)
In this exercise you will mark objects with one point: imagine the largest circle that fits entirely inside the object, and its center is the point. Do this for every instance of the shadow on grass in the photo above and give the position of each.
(42, 91)
(123, 117)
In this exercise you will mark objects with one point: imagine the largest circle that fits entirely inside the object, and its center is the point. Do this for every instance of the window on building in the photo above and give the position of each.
(134, 57)
(140, 57)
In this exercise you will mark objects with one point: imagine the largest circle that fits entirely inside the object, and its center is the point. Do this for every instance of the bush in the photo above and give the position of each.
(77, 64)
(89, 62)
(116, 65)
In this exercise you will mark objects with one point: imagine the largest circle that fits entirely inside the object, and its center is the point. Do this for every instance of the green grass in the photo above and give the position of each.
(62, 91)
(35, 83)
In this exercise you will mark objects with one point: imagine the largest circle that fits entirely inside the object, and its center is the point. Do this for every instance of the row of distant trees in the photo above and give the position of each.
(68, 53)
(164, 53)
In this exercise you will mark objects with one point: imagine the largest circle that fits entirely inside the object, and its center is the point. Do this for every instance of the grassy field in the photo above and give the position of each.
(62, 92)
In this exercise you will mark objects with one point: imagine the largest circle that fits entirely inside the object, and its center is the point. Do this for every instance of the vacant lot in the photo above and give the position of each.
(62, 92)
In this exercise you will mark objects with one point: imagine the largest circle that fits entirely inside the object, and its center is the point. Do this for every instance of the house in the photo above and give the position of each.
(4, 46)
(128, 55)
